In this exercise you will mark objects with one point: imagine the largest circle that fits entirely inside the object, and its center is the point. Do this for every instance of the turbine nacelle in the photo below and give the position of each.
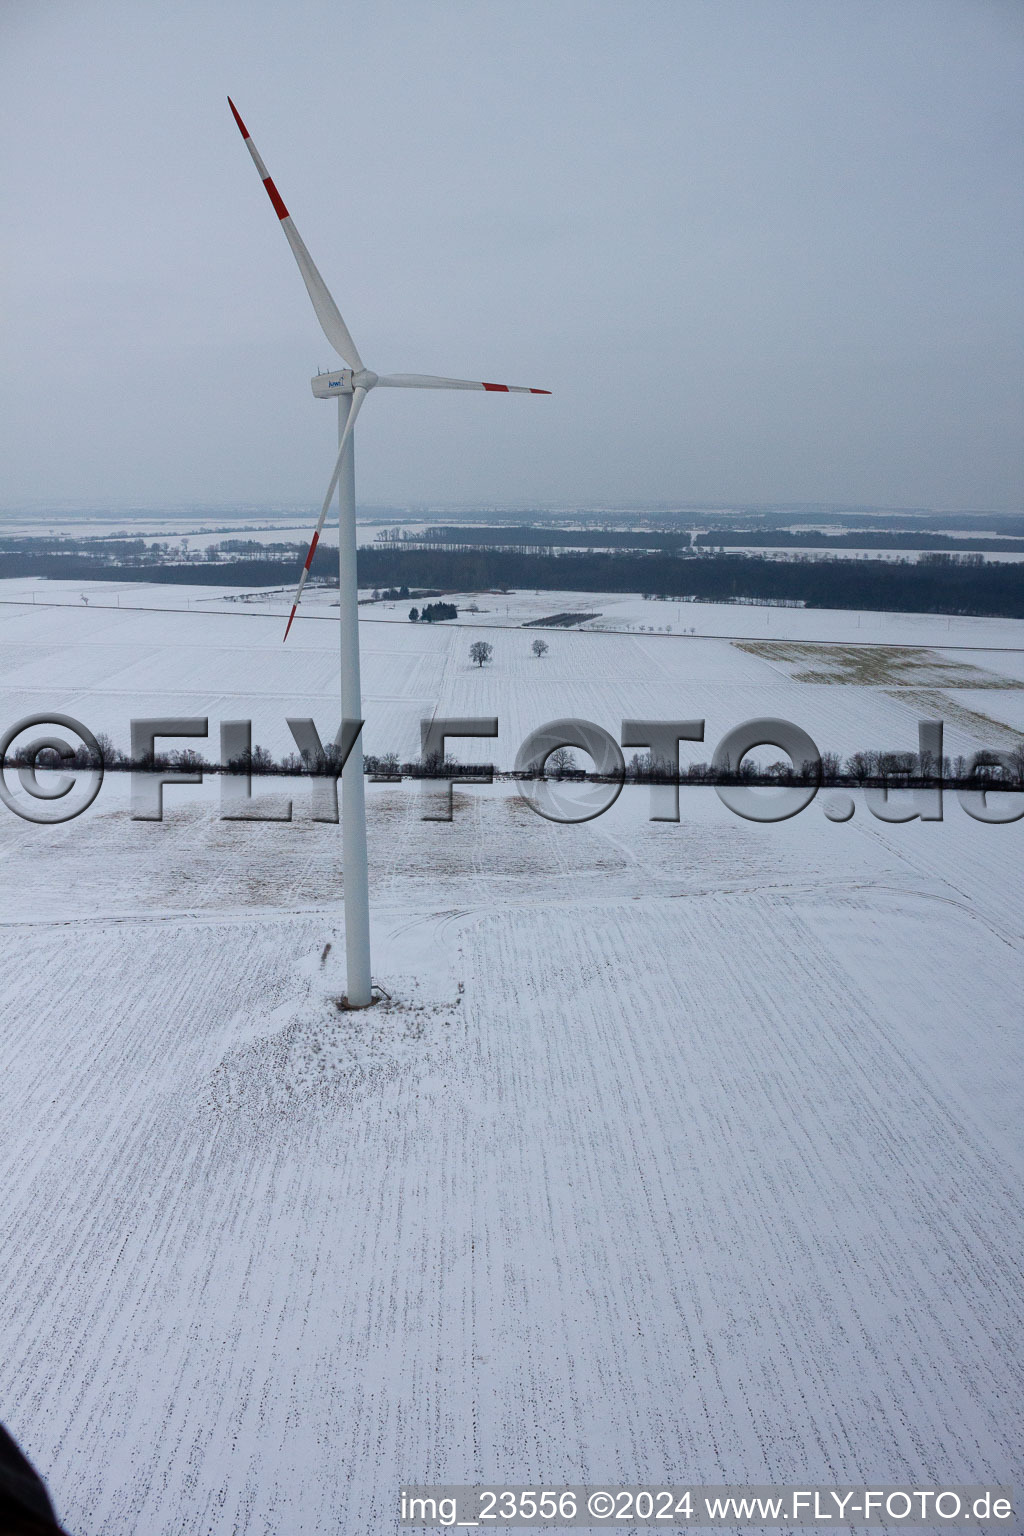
(326, 385)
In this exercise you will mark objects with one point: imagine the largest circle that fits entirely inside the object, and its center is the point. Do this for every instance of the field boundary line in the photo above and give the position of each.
(931, 645)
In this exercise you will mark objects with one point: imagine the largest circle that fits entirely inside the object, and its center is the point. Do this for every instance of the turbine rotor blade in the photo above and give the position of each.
(358, 396)
(327, 312)
(432, 381)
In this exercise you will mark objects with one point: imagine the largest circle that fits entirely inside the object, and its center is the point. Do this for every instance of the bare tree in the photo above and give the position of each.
(561, 762)
(539, 648)
(831, 767)
(480, 651)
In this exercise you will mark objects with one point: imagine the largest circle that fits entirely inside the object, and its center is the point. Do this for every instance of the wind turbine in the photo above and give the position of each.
(351, 385)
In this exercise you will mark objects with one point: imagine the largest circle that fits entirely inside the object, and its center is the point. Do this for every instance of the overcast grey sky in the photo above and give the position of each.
(760, 249)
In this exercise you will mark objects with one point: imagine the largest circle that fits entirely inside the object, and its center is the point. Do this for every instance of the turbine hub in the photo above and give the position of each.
(343, 382)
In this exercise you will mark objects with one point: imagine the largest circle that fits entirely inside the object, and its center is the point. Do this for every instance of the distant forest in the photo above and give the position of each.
(779, 538)
(936, 584)
(526, 540)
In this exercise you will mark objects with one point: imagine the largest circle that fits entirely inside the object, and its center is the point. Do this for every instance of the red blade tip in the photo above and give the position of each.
(243, 130)
(289, 624)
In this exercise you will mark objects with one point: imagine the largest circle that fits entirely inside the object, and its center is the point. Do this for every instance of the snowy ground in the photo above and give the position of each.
(684, 1153)
(619, 613)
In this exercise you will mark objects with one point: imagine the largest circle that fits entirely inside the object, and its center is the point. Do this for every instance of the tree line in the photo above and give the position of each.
(527, 540)
(781, 538)
(433, 613)
(864, 769)
(995, 589)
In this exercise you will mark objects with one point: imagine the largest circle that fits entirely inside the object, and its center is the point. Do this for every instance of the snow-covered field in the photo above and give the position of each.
(686, 1153)
(618, 612)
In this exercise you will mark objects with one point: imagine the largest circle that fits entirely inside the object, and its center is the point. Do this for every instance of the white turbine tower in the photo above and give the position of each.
(351, 385)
